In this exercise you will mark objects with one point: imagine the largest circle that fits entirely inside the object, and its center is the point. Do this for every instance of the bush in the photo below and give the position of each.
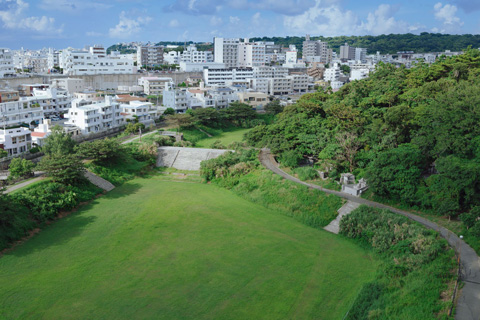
(134, 127)
(290, 158)
(417, 266)
(14, 220)
(162, 141)
(21, 167)
(306, 173)
(183, 143)
(217, 144)
(33, 150)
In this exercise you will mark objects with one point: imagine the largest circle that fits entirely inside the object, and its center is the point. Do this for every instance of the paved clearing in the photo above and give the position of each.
(185, 158)
(152, 249)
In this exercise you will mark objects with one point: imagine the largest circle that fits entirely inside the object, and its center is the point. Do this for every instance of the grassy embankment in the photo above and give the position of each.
(160, 249)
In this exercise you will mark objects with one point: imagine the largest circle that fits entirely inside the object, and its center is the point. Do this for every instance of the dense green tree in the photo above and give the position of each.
(169, 111)
(20, 167)
(101, 150)
(396, 173)
(64, 168)
(58, 142)
(273, 107)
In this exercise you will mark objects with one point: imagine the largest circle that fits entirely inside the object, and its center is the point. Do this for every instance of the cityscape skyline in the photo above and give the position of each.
(69, 23)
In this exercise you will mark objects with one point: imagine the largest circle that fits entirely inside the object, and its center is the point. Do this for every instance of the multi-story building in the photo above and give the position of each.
(9, 95)
(226, 51)
(53, 59)
(347, 52)
(316, 51)
(221, 76)
(71, 85)
(250, 54)
(270, 72)
(91, 117)
(171, 57)
(16, 140)
(149, 56)
(20, 111)
(332, 73)
(98, 50)
(154, 85)
(175, 98)
(52, 100)
(253, 98)
(361, 54)
(144, 112)
(83, 62)
(6, 63)
(191, 54)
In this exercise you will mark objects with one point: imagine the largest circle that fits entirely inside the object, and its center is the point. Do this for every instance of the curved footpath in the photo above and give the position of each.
(468, 305)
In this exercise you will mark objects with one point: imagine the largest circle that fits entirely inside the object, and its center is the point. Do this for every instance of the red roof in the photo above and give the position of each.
(39, 134)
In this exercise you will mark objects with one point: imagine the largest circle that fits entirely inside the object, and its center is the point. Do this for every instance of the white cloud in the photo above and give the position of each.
(234, 20)
(173, 23)
(93, 34)
(215, 21)
(331, 20)
(13, 17)
(256, 18)
(447, 15)
(127, 26)
(73, 6)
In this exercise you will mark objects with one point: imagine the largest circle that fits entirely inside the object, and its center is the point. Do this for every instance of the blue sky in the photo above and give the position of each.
(34, 24)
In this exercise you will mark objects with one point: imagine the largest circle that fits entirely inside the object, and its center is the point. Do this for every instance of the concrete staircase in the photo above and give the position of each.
(348, 207)
(99, 182)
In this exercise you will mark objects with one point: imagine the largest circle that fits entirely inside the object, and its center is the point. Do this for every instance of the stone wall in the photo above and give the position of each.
(98, 82)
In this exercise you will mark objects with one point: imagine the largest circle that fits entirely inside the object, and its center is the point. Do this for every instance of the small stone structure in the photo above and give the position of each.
(349, 186)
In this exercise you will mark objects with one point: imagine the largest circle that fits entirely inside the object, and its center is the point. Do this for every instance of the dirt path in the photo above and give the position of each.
(468, 305)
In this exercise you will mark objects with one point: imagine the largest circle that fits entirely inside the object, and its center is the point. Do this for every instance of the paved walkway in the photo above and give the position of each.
(468, 305)
(347, 208)
(138, 137)
(23, 184)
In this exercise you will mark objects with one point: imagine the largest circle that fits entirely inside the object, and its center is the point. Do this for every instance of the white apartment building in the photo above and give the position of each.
(171, 57)
(250, 54)
(53, 59)
(332, 73)
(71, 85)
(221, 76)
(98, 50)
(6, 62)
(191, 54)
(361, 54)
(199, 67)
(52, 100)
(269, 72)
(82, 62)
(149, 56)
(253, 98)
(260, 84)
(154, 85)
(145, 112)
(15, 141)
(92, 117)
(226, 51)
(299, 82)
(358, 74)
(175, 98)
(14, 113)
(41, 132)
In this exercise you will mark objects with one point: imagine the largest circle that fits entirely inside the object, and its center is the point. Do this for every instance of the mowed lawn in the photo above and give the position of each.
(155, 249)
(226, 137)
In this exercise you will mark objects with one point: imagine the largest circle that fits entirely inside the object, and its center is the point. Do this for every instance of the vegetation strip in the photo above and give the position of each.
(468, 306)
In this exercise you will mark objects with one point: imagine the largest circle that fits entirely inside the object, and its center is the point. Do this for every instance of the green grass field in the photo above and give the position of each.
(154, 249)
(226, 137)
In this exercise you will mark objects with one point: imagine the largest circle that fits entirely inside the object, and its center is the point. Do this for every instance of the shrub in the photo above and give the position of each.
(183, 143)
(290, 158)
(217, 144)
(21, 167)
(306, 173)
(34, 150)
(164, 141)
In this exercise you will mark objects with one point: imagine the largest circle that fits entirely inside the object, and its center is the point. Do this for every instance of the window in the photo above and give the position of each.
(14, 141)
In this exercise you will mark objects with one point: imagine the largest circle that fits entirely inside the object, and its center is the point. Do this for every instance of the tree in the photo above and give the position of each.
(133, 127)
(63, 168)
(345, 69)
(103, 150)
(180, 120)
(3, 153)
(58, 142)
(169, 111)
(396, 173)
(350, 145)
(21, 167)
(274, 107)
(238, 112)
(207, 116)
